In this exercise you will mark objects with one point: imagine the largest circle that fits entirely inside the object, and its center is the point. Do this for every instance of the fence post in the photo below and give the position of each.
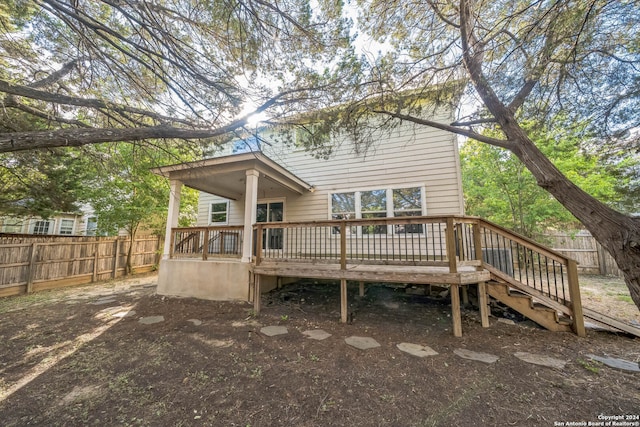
(116, 256)
(574, 294)
(94, 277)
(602, 259)
(32, 263)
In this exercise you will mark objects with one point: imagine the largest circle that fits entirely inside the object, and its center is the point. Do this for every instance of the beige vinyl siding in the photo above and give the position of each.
(410, 156)
(235, 213)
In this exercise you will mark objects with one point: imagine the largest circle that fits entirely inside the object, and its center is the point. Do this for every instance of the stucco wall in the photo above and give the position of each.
(213, 280)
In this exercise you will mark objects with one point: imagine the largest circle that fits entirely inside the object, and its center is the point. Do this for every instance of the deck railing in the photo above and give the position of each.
(403, 240)
(446, 241)
(453, 242)
(205, 242)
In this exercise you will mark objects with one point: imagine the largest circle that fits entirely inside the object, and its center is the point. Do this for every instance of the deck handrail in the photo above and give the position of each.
(198, 241)
(454, 242)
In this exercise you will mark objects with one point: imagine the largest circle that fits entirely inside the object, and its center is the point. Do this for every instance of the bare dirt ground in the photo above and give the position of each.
(72, 358)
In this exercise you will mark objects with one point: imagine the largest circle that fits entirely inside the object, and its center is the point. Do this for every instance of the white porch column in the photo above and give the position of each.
(172, 217)
(250, 204)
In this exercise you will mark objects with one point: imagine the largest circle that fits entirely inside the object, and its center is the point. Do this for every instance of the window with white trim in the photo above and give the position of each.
(66, 227)
(218, 213)
(380, 203)
(41, 227)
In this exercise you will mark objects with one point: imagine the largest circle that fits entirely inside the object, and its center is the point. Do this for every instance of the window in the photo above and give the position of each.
(272, 238)
(382, 203)
(407, 202)
(373, 204)
(41, 227)
(343, 206)
(66, 226)
(218, 213)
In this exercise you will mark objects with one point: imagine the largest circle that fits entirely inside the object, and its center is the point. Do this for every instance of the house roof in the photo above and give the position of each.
(226, 176)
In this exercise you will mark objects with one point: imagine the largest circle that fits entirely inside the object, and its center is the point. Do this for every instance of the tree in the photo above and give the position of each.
(515, 61)
(127, 70)
(126, 195)
(498, 187)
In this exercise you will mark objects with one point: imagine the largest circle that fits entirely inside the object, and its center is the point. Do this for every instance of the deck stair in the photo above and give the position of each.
(529, 306)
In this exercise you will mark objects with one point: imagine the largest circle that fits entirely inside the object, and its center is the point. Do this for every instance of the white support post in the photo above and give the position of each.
(250, 205)
(172, 217)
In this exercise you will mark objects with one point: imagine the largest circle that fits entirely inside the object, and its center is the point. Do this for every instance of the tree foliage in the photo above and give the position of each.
(500, 188)
(106, 70)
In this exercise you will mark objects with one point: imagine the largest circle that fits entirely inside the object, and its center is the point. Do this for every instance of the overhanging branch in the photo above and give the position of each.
(449, 128)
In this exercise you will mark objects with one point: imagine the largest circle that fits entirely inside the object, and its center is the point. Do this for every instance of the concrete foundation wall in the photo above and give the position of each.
(214, 280)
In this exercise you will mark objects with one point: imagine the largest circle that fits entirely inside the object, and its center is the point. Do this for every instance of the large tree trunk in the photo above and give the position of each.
(617, 233)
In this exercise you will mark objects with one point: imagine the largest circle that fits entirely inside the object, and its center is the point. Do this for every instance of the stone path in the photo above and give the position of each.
(367, 343)
(418, 350)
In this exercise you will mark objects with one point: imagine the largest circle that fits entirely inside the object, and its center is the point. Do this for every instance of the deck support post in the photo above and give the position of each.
(465, 295)
(483, 303)
(456, 317)
(256, 294)
(343, 300)
(361, 289)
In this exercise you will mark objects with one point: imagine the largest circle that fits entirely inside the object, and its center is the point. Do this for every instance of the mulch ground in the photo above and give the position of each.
(67, 361)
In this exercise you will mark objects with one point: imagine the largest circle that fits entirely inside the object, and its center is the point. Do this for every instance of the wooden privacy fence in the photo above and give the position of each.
(592, 258)
(31, 265)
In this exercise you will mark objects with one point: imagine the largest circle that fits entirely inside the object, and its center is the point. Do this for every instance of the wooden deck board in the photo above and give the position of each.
(375, 273)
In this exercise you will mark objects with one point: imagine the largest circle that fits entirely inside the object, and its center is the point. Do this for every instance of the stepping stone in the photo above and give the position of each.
(540, 359)
(105, 300)
(317, 334)
(195, 322)
(473, 355)
(506, 321)
(150, 320)
(125, 313)
(416, 349)
(362, 343)
(622, 364)
(272, 331)
(391, 305)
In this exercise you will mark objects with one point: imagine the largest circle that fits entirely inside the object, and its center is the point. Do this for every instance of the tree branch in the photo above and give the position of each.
(468, 133)
(56, 98)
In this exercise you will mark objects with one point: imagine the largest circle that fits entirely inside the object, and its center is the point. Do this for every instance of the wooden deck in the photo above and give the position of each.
(415, 274)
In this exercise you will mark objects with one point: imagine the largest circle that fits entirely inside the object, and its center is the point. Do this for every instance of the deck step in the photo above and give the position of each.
(524, 304)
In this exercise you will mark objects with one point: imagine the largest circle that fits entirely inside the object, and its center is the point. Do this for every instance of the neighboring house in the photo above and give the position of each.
(63, 224)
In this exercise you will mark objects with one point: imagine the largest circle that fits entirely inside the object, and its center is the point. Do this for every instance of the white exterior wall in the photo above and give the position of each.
(411, 156)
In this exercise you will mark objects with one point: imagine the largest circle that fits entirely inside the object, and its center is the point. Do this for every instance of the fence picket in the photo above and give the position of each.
(31, 263)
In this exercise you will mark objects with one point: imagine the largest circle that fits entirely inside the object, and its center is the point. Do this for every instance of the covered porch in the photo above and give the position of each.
(213, 262)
